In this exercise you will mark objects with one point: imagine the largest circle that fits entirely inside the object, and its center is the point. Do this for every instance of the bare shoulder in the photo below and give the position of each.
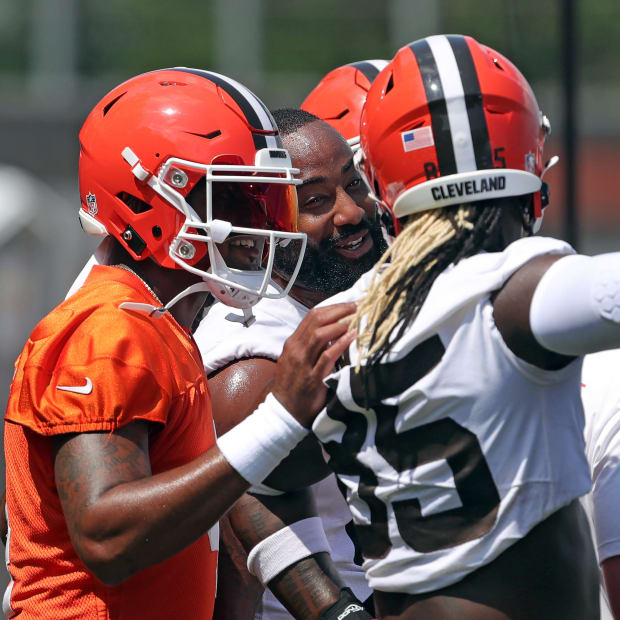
(238, 388)
(236, 391)
(511, 312)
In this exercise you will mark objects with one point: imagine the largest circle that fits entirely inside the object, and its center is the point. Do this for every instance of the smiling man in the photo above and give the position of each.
(114, 480)
(344, 241)
(335, 211)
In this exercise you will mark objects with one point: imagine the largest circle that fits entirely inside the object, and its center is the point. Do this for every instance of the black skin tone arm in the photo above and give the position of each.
(312, 584)
(511, 311)
(525, 581)
(115, 508)
(233, 577)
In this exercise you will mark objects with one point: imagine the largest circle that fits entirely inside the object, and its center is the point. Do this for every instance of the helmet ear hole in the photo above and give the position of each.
(133, 203)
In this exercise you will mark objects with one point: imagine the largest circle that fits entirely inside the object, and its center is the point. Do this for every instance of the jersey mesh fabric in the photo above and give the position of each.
(140, 368)
(464, 447)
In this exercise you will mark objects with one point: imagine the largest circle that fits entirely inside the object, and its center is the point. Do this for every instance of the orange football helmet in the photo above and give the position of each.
(147, 144)
(339, 97)
(449, 121)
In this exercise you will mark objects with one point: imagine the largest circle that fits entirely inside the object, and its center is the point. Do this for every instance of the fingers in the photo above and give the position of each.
(332, 353)
(309, 355)
(327, 315)
(320, 327)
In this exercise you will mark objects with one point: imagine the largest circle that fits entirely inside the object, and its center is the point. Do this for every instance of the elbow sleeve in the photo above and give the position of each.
(575, 308)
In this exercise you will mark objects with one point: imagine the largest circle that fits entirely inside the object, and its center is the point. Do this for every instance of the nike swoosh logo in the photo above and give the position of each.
(78, 389)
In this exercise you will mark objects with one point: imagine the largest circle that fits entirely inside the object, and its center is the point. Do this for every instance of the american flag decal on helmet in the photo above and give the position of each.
(417, 139)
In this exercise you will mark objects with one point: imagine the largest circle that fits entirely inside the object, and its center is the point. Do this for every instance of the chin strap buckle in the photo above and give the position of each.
(246, 320)
(152, 311)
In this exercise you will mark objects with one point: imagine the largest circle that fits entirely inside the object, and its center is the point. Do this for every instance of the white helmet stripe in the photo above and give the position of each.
(378, 64)
(458, 118)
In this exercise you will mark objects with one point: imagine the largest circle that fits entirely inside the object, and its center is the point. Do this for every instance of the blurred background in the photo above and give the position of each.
(59, 57)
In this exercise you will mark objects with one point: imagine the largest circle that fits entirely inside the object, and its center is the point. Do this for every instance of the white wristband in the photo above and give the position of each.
(285, 547)
(257, 445)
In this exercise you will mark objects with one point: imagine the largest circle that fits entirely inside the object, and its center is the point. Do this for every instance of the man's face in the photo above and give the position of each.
(232, 204)
(344, 238)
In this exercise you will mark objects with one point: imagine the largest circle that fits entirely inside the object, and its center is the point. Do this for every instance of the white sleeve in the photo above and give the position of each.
(601, 402)
(575, 308)
(606, 502)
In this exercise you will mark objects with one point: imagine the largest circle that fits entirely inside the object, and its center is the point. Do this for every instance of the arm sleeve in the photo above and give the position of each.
(575, 308)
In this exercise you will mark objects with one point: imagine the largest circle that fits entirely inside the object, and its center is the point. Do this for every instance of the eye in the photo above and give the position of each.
(355, 184)
(313, 202)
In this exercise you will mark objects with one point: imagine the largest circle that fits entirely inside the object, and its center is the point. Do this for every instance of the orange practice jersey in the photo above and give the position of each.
(115, 366)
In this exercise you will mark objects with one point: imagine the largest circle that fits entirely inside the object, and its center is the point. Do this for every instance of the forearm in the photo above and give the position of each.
(141, 522)
(238, 592)
(304, 581)
(308, 587)
(122, 519)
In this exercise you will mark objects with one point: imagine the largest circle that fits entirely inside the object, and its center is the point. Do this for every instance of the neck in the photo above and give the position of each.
(165, 284)
(304, 296)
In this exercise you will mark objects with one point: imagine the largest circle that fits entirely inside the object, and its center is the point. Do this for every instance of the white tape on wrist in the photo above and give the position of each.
(257, 445)
(285, 547)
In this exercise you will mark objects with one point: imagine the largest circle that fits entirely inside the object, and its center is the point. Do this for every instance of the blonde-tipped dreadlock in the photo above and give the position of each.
(430, 241)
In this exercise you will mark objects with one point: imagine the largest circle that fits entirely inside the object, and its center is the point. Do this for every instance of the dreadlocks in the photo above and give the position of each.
(429, 243)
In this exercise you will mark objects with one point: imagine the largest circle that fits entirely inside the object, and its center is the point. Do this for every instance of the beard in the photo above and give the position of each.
(325, 270)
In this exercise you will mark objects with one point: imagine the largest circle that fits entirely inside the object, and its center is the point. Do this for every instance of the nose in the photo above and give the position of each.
(346, 210)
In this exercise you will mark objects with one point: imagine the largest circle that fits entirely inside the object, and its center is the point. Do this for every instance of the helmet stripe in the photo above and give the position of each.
(456, 106)
(473, 98)
(370, 68)
(254, 110)
(436, 104)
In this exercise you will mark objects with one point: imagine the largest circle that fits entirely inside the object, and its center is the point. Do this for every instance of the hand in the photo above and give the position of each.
(309, 355)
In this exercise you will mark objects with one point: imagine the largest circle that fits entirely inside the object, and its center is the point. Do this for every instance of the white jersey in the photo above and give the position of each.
(462, 447)
(601, 400)
(222, 341)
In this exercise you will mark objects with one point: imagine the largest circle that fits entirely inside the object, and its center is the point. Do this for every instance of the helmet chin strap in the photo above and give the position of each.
(225, 293)
(157, 312)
